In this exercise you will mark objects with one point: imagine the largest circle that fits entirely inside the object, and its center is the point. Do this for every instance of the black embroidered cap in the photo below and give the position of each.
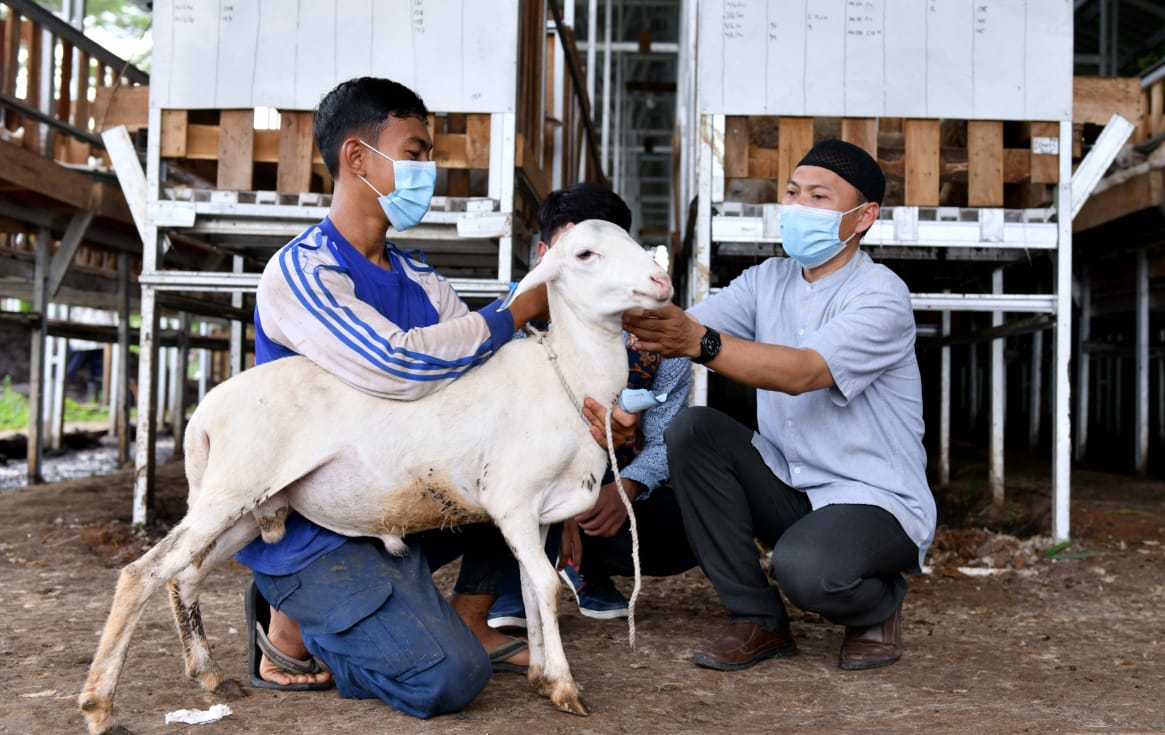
(851, 163)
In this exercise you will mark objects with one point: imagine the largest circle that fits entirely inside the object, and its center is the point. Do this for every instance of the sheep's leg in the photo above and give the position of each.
(200, 664)
(189, 542)
(540, 586)
(534, 622)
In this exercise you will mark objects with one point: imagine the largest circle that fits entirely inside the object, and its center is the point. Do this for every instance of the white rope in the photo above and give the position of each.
(634, 531)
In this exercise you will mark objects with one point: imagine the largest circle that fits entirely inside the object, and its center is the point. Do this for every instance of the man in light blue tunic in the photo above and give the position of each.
(835, 477)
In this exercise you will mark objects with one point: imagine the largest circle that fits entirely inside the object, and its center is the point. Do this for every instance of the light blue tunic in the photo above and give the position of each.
(861, 441)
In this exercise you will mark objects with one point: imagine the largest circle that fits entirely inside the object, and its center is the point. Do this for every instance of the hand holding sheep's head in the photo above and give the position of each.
(596, 268)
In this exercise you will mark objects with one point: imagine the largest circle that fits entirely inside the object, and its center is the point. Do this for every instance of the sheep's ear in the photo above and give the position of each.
(544, 272)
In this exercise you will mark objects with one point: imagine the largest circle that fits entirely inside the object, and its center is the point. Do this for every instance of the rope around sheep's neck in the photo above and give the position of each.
(541, 337)
(634, 532)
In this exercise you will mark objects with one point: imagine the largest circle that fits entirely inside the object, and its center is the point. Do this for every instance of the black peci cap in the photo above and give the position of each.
(851, 163)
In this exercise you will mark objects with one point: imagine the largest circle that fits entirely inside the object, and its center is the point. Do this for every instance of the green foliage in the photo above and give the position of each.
(13, 407)
(1060, 551)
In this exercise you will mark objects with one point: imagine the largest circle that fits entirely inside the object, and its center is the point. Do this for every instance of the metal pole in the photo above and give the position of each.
(178, 384)
(944, 430)
(1037, 387)
(998, 396)
(203, 362)
(699, 269)
(592, 46)
(1062, 391)
(36, 385)
(1142, 364)
(122, 408)
(606, 130)
(57, 352)
(237, 327)
(1083, 360)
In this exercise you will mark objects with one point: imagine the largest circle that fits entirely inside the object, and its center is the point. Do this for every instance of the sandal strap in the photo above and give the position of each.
(294, 665)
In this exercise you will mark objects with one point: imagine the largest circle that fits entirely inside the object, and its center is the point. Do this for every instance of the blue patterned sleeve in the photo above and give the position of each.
(650, 466)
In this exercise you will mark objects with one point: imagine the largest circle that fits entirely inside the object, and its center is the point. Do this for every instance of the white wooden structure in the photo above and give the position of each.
(448, 59)
(986, 60)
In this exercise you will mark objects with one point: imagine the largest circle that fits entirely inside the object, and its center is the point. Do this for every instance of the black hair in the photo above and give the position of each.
(361, 107)
(582, 201)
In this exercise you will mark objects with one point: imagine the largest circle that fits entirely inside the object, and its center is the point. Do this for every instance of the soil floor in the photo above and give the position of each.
(1003, 635)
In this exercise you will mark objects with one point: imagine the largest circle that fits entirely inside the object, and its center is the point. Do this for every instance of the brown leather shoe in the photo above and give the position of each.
(872, 647)
(744, 644)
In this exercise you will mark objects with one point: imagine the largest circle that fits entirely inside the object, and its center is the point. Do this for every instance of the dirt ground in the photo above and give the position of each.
(1045, 645)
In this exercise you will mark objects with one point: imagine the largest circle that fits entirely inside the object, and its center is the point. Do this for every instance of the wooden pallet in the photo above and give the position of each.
(974, 163)
(226, 149)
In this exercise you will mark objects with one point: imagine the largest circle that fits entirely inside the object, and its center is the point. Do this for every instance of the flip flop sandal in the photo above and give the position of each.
(498, 656)
(259, 617)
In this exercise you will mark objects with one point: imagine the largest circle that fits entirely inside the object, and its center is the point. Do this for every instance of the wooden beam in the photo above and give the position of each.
(794, 139)
(735, 146)
(984, 163)
(1045, 167)
(174, 131)
(862, 132)
(295, 148)
(922, 162)
(1143, 191)
(236, 144)
(128, 106)
(477, 127)
(1095, 99)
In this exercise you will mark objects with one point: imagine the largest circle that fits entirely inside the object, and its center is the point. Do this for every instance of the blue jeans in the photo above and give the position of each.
(383, 628)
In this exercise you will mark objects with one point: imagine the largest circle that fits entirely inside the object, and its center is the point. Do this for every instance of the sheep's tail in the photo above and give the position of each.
(634, 533)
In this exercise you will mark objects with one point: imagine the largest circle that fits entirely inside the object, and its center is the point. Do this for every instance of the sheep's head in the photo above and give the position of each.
(596, 268)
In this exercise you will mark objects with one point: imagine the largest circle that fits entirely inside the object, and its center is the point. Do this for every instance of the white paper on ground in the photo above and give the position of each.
(198, 716)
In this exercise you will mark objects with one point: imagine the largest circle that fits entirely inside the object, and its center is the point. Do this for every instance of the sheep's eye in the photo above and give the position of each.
(585, 255)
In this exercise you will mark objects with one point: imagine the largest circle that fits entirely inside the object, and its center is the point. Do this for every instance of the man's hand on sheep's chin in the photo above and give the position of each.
(622, 423)
(668, 330)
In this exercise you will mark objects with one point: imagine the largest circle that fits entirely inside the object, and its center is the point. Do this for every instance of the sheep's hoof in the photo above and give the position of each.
(117, 730)
(566, 698)
(231, 688)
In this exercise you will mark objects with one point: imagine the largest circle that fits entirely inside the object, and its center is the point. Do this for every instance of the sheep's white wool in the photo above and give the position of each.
(504, 442)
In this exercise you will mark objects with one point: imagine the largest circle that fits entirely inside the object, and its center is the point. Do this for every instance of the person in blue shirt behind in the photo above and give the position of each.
(834, 479)
(383, 321)
(597, 545)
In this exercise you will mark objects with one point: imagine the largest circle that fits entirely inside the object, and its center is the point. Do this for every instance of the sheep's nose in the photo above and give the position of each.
(663, 285)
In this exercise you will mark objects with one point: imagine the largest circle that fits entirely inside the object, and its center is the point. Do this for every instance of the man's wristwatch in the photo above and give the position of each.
(709, 346)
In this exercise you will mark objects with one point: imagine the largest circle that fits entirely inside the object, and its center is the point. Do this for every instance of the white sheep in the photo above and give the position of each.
(506, 442)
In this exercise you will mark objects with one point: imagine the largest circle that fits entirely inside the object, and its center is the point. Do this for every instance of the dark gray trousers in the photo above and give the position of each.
(844, 562)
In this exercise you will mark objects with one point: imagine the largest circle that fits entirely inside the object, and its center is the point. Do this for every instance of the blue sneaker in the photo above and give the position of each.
(597, 598)
(508, 611)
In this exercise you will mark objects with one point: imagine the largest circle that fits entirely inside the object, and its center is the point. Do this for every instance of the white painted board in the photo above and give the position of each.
(458, 55)
(966, 59)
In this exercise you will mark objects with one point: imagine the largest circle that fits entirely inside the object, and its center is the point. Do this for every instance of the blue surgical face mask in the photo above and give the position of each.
(810, 235)
(407, 204)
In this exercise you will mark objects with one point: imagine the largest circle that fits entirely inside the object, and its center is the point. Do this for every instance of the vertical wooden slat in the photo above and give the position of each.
(293, 173)
(64, 95)
(174, 129)
(236, 147)
(458, 179)
(79, 150)
(11, 57)
(735, 146)
(1045, 167)
(1157, 108)
(546, 129)
(32, 44)
(862, 132)
(477, 130)
(922, 162)
(985, 163)
(795, 140)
